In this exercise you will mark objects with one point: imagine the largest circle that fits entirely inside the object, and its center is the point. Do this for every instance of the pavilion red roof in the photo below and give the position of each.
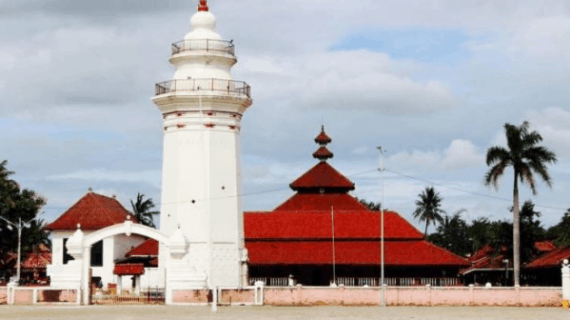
(362, 224)
(322, 175)
(149, 248)
(129, 269)
(397, 253)
(551, 259)
(36, 260)
(323, 202)
(93, 211)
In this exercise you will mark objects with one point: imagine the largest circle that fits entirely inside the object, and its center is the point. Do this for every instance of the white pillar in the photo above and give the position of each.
(565, 280)
(137, 285)
(86, 266)
(119, 285)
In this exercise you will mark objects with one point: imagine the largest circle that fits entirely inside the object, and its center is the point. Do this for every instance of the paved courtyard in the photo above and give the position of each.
(249, 313)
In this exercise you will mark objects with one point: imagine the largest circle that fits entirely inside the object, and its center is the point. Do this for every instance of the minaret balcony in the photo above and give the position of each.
(204, 45)
(211, 87)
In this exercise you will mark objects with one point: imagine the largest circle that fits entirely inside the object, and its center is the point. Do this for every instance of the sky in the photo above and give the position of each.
(431, 81)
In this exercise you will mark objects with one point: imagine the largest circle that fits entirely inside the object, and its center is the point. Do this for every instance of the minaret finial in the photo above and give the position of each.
(203, 6)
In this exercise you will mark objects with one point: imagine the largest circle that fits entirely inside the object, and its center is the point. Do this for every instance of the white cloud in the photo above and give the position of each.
(150, 177)
(461, 154)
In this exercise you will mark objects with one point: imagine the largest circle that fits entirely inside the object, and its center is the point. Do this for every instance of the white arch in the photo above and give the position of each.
(127, 228)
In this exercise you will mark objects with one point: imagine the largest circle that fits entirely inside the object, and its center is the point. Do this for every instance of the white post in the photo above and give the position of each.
(383, 293)
(565, 280)
(215, 299)
(86, 265)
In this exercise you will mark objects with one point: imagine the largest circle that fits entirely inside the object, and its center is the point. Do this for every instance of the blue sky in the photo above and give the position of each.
(431, 81)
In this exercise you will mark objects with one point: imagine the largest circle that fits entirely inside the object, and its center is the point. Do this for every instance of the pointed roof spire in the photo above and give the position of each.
(323, 138)
(203, 6)
(323, 154)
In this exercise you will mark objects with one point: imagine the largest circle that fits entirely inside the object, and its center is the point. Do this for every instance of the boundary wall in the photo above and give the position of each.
(39, 295)
(370, 296)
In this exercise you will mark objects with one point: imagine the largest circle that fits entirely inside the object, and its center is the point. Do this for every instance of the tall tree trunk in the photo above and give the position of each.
(427, 222)
(516, 233)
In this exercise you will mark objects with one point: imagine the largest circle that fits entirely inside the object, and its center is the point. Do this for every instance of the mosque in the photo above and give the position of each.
(321, 235)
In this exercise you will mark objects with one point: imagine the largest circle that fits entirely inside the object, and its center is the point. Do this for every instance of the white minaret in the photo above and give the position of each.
(201, 180)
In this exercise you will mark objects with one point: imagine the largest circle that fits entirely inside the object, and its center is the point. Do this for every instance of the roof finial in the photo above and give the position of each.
(203, 6)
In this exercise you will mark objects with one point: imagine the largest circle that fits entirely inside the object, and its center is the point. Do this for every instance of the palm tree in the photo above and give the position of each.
(142, 210)
(428, 207)
(527, 159)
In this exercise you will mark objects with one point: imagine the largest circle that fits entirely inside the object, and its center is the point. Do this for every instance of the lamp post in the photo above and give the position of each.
(381, 169)
(19, 226)
(506, 262)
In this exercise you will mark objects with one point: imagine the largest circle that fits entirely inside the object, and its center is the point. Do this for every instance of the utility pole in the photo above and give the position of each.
(381, 169)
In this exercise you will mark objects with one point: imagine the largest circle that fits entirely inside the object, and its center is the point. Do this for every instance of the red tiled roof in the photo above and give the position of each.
(551, 259)
(361, 224)
(93, 212)
(129, 269)
(323, 153)
(397, 253)
(145, 249)
(36, 260)
(322, 175)
(545, 246)
(323, 138)
(324, 201)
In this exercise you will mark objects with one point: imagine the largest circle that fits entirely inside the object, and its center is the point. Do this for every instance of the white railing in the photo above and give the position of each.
(271, 282)
(402, 282)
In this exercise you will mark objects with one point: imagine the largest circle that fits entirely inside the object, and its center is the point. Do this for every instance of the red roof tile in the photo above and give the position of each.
(93, 212)
(397, 253)
(323, 153)
(324, 201)
(545, 246)
(323, 138)
(145, 249)
(36, 260)
(129, 269)
(322, 175)
(551, 259)
(361, 224)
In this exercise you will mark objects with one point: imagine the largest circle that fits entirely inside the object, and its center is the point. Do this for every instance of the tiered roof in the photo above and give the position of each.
(93, 212)
(551, 259)
(300, 230)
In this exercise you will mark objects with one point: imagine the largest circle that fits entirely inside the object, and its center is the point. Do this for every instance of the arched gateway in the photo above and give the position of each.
(178, 274)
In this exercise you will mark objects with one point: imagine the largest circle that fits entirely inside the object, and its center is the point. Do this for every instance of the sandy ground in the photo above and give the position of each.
(251, 313)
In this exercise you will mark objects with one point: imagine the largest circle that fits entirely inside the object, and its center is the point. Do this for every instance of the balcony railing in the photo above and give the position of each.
(206, 45)
(204, 85)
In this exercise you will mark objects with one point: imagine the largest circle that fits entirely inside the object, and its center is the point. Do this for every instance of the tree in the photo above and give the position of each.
(561, 231)
(371, 205)
(428, 207)
(142, 210)
(452, 234)
(527, 159)
(16, 204)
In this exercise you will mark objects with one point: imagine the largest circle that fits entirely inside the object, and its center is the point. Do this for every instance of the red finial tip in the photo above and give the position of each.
(203, 6)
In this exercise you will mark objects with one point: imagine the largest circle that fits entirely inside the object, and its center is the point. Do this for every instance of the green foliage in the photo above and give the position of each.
(452, 234)
(142, 209)
(560, 232)
(428, 208)
(16, 204)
